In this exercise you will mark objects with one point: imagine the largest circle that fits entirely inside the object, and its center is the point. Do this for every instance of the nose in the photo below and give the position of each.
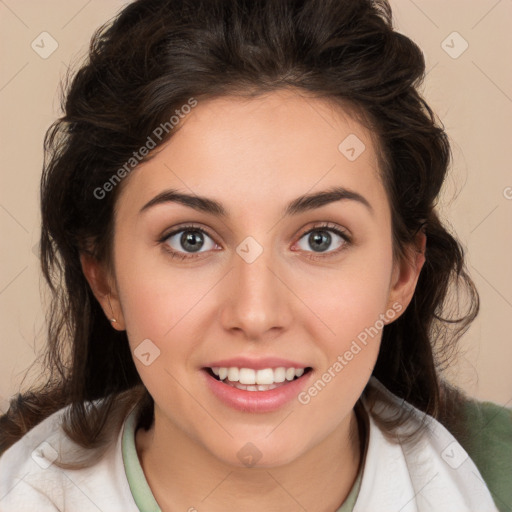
(256, 299)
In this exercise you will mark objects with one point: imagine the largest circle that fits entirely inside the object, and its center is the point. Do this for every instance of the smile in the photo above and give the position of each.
(256, 390)
(249, 379)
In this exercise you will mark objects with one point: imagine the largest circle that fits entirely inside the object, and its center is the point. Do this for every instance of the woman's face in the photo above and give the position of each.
(251, 288)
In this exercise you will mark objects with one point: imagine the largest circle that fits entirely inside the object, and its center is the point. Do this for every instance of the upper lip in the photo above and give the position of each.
(256, 364)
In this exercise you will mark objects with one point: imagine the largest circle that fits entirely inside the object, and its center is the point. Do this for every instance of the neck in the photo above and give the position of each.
(183, 475)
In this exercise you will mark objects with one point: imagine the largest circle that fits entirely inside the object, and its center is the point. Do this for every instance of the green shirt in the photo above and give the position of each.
(489, 445)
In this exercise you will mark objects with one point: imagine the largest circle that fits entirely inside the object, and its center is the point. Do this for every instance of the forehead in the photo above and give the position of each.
(261, 151)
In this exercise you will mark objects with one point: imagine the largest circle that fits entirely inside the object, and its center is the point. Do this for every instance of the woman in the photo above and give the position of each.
(250, 276)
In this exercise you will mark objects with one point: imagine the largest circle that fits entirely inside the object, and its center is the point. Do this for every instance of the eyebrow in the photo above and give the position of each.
(302, 204)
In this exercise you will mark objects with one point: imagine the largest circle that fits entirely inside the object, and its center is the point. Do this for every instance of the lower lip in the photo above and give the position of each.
(257, 401)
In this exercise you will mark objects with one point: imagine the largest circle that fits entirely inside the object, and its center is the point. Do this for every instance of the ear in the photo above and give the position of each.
(104, 289)
(406, 273)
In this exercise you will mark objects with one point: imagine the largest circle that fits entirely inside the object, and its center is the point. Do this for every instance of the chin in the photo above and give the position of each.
(257, 454)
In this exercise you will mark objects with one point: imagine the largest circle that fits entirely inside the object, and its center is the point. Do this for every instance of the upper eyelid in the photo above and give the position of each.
(327, 226)
(179, 229)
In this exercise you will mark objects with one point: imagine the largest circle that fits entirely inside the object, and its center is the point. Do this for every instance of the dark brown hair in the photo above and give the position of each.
(148, 62)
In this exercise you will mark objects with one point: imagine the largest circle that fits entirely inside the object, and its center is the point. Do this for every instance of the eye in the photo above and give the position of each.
(320, 239)
(187, 242)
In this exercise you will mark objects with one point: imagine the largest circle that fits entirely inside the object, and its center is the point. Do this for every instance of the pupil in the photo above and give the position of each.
(317, 239)
(190, 238)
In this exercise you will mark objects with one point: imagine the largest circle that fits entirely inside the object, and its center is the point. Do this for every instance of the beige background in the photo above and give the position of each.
(472, 94)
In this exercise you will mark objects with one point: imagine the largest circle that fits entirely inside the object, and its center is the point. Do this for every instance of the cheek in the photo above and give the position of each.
(160, 309)
(156, 298)
(165, 313)
(351, 310)
(351, 297)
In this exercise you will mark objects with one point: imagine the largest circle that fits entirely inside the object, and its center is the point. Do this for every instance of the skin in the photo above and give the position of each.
(254, 156)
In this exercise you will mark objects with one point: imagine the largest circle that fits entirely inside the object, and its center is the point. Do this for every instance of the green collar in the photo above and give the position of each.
(141, 491)
(139, 486)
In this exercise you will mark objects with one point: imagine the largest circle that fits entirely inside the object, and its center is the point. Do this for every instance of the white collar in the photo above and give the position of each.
(433, 474)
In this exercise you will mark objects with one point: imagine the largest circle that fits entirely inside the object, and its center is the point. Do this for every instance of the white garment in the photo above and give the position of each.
(29, 482)
(434, 475)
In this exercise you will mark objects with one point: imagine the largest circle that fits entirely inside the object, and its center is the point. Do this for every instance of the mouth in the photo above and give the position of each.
(261, 380)
(268, 386)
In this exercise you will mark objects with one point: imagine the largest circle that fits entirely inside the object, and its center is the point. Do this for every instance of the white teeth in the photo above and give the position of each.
(251, 379)
(246, 376)
(233, 374)
(280, 374)
(259, 387)
(265, 376)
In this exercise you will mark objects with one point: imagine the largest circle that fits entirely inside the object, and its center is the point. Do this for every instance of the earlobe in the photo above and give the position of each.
(103, 288)
(406, 273)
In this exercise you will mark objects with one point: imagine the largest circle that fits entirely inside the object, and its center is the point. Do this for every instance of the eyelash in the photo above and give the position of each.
(326, 227)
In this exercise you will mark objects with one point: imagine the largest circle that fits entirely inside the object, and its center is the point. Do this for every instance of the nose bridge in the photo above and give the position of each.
(257, 301)
(252, 266)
